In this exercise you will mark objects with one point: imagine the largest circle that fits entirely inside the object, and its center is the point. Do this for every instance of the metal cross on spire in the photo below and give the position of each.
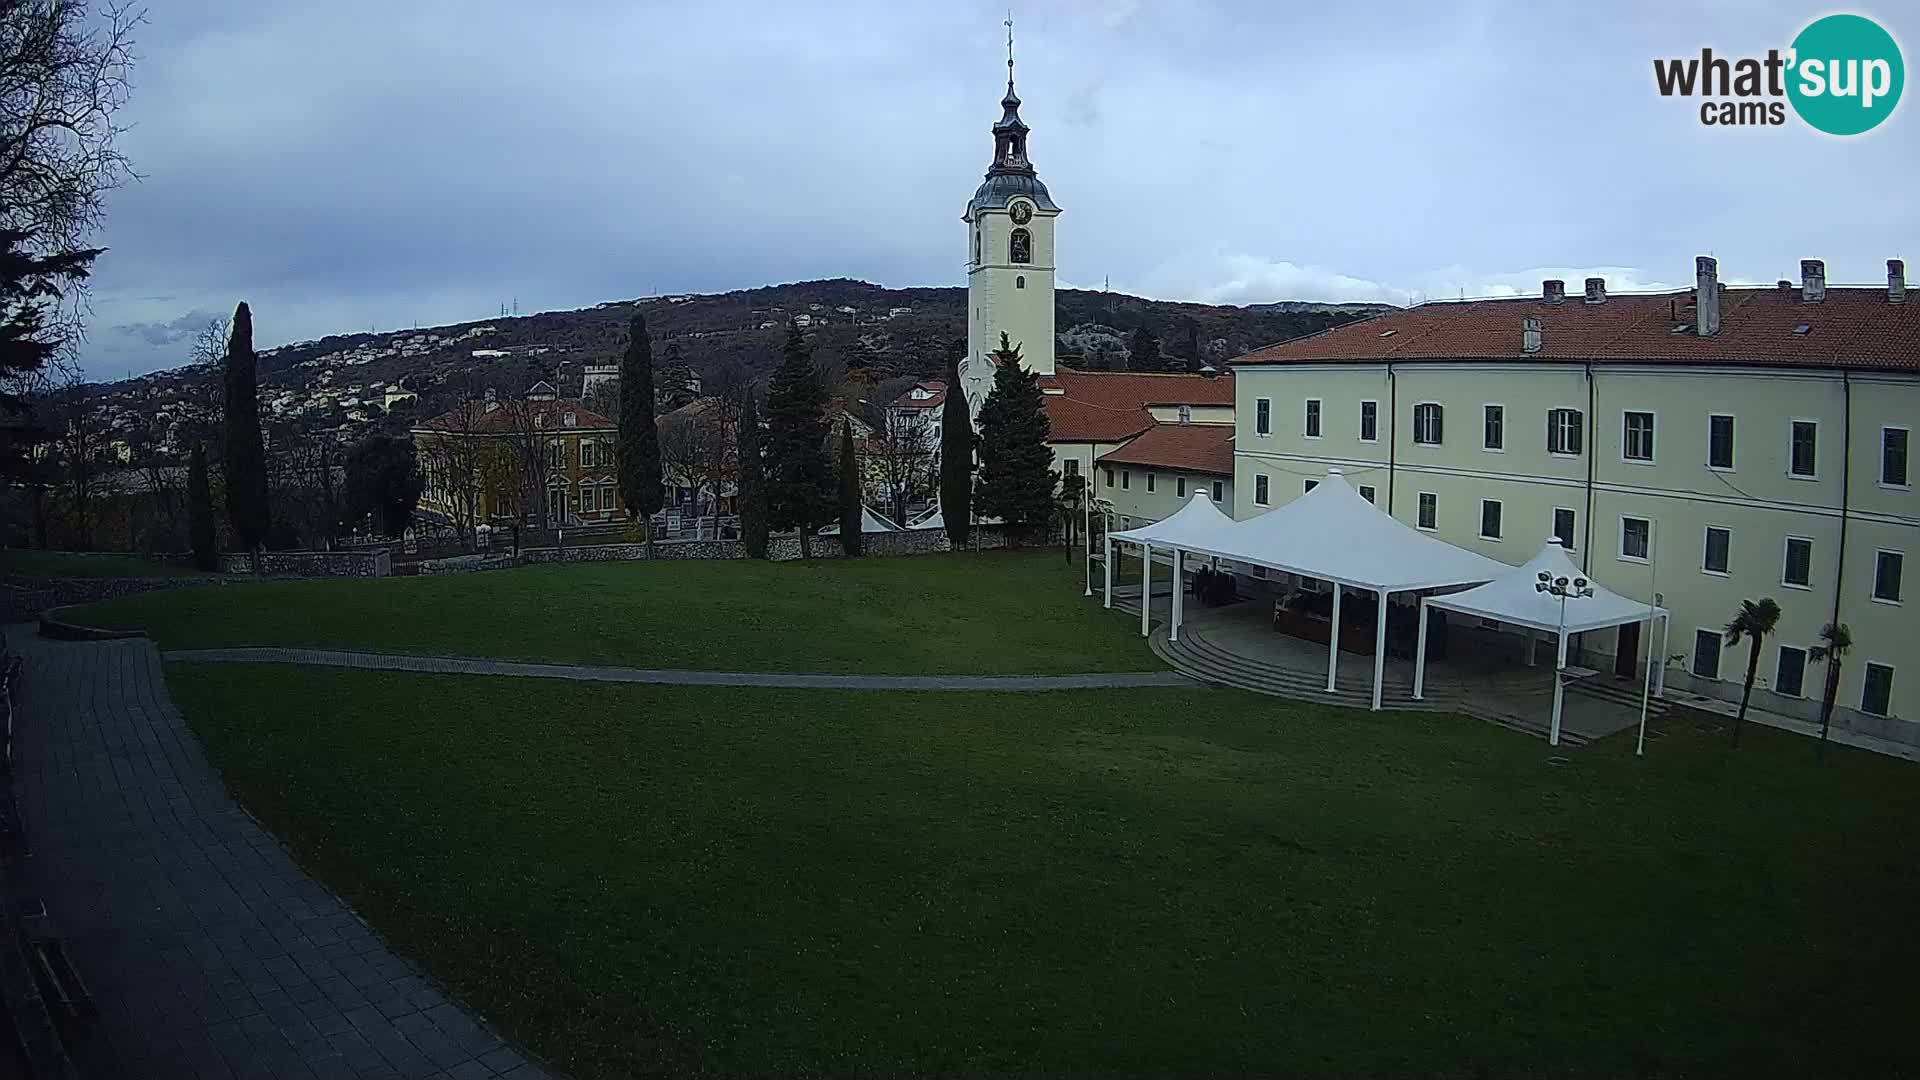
(1009, 25)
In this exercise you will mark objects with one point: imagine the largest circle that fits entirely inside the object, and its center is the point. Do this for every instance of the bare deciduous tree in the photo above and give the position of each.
(691, 451)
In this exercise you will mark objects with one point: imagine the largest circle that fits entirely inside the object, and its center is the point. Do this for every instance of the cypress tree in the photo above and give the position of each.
(850, 516)
(752, 486)
(1016, 482)
(637, 446)
(200, 509)
(245, 460)
(956, 454)
(800, 487)
(1143, 352)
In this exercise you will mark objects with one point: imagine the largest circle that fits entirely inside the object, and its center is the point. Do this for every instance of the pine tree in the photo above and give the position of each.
(637, 448)
(1143, 352)
(800, 481)
(245, 461)
(751, 494)
(1016, 483)
(200, 510)
(676, 380)
(850, 516)
(956, 454)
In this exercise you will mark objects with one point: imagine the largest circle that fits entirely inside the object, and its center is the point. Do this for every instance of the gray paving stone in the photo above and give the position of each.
(209, 952)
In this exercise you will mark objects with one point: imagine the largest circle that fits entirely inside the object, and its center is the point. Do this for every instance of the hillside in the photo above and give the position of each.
(340, 384)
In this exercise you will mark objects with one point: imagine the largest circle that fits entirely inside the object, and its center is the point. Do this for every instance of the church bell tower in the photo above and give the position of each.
(1009, 255)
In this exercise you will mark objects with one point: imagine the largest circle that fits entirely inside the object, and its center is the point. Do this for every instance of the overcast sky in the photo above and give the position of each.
(351, 165)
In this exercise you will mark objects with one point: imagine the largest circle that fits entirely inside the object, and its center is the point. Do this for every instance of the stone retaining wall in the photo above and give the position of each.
(26, 598)
(375, 563)
(779, 548)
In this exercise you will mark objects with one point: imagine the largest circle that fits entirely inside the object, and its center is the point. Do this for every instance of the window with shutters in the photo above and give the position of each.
(1426, 423)
(1566, 432)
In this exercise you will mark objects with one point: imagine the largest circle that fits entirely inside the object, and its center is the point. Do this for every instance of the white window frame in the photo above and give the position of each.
(1580, 417)
(1792, 422)
(1126, 479)
(1719, 647)
(1891, 672)
(1263, 418)
(1419, 504)
(1440, 414)
(1151, 477)
(1484, 503)
(1363, 421)
(1706, 545)
(1733, 442)
(1778, 654)
(1313, 415)
(1620, 546)
(1900, 554)
(1553, 522)
(1484, 417)
(1179, 487)
(1786, 561)
(1653, 436)
(1219, 491)
(1904, 429)
(1262, 496)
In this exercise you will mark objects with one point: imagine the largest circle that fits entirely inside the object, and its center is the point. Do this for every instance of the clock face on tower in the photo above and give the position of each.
(1022, 213)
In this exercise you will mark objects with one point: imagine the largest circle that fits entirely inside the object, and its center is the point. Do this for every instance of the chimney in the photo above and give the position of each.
(1553, 290)
(1596, 290)
(1813, 280)
(1706, 296)
(1530, 335)
(1896, 281)
(1785, 285)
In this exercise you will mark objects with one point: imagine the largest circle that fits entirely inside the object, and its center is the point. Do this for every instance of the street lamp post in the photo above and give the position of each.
(1562, 587)
(1106, 546)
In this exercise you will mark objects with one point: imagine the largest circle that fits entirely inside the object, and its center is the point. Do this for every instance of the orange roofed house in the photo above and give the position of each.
(479, 456)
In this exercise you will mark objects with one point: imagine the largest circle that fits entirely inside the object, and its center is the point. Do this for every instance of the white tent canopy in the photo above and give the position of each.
(870, 522)
(1520, 596)
(1330, 533)
(1512, 598)
(1334, 534)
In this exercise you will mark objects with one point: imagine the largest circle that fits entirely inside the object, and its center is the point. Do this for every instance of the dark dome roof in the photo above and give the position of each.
(999, 188)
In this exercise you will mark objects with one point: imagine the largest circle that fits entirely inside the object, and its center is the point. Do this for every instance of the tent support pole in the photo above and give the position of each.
(1173, 633)
(1529, 646)
(1106, 567)
(1559, 688)
(1333, 640)
(1146, 586)
(1420, 654)
(1379, 649)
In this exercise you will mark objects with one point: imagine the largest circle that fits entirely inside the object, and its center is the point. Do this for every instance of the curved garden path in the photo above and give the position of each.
(454, 665)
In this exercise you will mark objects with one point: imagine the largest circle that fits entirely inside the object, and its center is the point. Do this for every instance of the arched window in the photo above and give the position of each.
(976, 247)
(1022, 246)
(1020, 282)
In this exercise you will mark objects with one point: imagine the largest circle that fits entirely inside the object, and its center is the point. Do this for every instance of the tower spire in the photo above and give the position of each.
(1009, 51)
(1010, 134)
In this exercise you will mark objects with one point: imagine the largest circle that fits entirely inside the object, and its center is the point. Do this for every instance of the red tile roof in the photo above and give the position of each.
(505, 419)
(938, 397)
(1853, 328)
(1203, 448)
(1103, 406)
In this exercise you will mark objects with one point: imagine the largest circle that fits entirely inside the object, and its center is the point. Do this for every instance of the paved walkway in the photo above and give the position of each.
(453, 665)
(209, 953)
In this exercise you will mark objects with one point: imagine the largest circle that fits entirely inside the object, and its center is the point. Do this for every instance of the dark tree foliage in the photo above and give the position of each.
(1143, 351)
(752, 493)
(245, 461)
(850, 516)
(638, 448)
(384, 480)
(800, 481)
(1016, 479)
(956, 454)
(1753, 622)
(675, 387)
(31, 288)
(200, 510)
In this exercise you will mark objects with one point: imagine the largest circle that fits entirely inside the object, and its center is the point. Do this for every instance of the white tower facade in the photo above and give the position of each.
(1010, 257)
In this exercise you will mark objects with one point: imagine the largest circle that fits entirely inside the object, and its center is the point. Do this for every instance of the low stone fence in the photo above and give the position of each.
(779, 548)
(375, 563)
(26, 598)
(466, 564)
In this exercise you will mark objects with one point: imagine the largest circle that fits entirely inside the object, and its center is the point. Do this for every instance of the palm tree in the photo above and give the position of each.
(1835, 640)
(1753, 622)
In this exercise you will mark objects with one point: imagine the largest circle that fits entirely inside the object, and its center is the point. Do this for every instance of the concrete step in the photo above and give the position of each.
(1617, 693)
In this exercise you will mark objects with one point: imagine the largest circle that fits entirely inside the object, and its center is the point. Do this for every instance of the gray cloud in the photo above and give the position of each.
(171, 332)
(371, 164)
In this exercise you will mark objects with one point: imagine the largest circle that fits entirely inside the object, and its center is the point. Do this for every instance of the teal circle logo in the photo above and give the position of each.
(1846, 74)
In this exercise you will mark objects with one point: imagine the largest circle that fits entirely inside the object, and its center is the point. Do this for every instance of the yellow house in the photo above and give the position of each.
(480, 456)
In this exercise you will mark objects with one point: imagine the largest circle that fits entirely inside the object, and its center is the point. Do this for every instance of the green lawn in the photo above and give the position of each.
(676, 880)
(85, 564)
(989, 613)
